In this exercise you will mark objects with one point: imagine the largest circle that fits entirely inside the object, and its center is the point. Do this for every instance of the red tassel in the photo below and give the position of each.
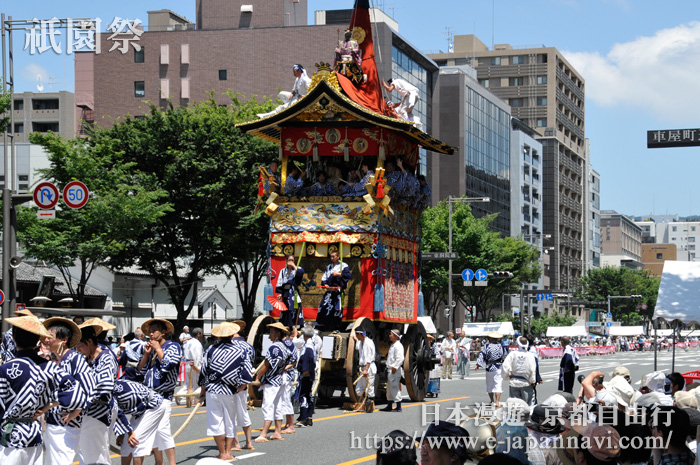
(380, 190)
(261, 189)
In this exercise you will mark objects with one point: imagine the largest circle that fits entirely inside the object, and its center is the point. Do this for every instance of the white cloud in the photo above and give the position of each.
(32, 70)
(658, 74)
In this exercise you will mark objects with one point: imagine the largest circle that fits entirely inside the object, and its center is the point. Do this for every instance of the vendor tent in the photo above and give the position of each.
(679, 292)
(483, 329)
(427, 324)
(571, 331)
(663, 332)
(626, 330)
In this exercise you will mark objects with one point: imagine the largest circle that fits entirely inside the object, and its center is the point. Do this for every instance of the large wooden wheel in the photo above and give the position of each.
(417, 362)
(255, 338)
(352, 359)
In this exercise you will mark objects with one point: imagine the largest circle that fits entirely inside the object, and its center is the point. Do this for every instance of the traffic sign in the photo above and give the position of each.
(2, 297)
(540, 296)
(467, 274)
(608, 315)
(46, 195)
(46, 214)
(440, 255)
(644, 306)
(609, 324)
(481, 274)
(76, 194)
(548, 297)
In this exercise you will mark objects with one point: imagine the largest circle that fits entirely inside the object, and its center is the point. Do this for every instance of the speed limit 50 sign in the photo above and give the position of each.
(76, 194)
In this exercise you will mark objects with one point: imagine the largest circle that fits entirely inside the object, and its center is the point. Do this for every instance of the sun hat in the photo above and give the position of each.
(76, 333)
(241, 324)
(604, 443)
(685, 399)
(30, 324)
(621, 389)
(146, 327)
(225, 329)
(621, 371)
(98, 324)
(279, 326)
(444, 429)
(495, 335)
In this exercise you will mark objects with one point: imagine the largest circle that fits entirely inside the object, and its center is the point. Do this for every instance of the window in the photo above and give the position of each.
(515, 81)
(659, 256)
(139, 89)
(19, 128)
(516, 102)
(19, 105)
(23, 177)
(45, 104)
(541, 101)
(519, 60)
(541, 79)
(495, 61)
(541, 122)
(45, 127)
(138, 56)
(692, 228)
(674, 228)
(222, 75)
(484, 82)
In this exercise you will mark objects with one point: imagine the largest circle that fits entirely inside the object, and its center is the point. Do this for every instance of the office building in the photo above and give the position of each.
(546, 93)
(592, 250)
(669, 229)
(621, 240)
(479, 124)
(655, 255)
(43, 112)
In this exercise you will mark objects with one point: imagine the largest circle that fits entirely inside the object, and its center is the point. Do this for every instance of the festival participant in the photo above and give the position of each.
(8, 349)
(100, 409)
(336, 277)
(270, 376)
(288, 282)
(520, 366)
(394, 365)
(61, 440)
(194, 354)
(226, 371)
(301, 87)
(147, 410)
(568, 366)
(240, 397)
(307, 375)
(29, 387)
(365, 347)
(491, 358)
(425, 194)
(348, 59)
(409, 96)
(395, 178)
(160, 365)
(273, 183)
(288, 378)
(322, 187)
(130, 357)
(294, 185)
(365, 173)
(448, 349)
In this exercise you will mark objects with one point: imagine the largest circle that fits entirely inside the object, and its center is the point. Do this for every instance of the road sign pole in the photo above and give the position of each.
(449, 274)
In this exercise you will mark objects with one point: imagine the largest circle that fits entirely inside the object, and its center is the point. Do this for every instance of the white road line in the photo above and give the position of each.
(249, 456)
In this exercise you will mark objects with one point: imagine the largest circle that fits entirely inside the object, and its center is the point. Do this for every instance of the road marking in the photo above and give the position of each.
(248, 456)
(360, 460)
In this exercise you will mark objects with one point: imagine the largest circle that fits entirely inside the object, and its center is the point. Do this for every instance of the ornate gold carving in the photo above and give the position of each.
(358, 34)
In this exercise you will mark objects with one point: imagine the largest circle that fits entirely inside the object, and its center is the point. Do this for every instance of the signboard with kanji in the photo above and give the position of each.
(440, 255)
(662, 138)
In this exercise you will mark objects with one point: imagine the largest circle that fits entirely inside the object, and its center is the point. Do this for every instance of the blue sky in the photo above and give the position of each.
(640, 60)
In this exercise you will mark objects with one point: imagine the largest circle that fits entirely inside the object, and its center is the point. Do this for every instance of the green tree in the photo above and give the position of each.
(600, 283)
(478, 247)
(209, 170)
(94, 235)
(538, 326)
(5, 104)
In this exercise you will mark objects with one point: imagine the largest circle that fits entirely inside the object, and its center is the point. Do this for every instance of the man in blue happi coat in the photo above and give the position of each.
(288, 283)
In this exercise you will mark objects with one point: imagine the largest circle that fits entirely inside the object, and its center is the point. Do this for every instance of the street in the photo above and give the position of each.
(339, 437)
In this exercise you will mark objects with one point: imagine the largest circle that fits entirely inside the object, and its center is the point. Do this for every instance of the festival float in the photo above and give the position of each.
(337, 126)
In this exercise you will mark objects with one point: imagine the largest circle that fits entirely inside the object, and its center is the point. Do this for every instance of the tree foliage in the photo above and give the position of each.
(478, 247)
(209, 170)
(103, 229)
(600, 283)
(538, 326)
(5, 106)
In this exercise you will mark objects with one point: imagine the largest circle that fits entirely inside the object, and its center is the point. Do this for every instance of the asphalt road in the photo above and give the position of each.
(340, 437)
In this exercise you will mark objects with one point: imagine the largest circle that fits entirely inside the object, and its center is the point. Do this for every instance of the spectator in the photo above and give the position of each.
(543, 428)
(396, 448)
(185, 335)
(673, 425)
(676, 381)
(603, 446)
(448, 349)
(435, 450)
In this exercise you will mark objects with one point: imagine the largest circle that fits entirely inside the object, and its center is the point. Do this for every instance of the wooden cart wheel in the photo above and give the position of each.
(352, 359)
(255, 338)
(417, 362)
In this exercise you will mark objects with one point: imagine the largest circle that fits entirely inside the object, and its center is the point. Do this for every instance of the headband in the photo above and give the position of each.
(298, 68)
(395, 332)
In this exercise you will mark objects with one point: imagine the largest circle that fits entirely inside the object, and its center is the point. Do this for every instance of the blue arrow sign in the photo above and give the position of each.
(609, 315)
(549, 297)
(481, 274)
(540, 296)
(467, 274)
(608, 324)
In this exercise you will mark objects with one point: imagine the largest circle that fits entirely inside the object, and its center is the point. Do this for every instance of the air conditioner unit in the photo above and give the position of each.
(246, 8)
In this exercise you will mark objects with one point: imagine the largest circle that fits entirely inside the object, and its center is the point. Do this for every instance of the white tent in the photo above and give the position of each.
(427, 324)
(571, 331)
(663, 332)
(626, 330)
(679, 292)
(482, 329)
(690, 332)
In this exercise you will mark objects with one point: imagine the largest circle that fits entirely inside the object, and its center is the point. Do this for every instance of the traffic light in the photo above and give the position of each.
(636, 296)
(502, 275)
(447, 313)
